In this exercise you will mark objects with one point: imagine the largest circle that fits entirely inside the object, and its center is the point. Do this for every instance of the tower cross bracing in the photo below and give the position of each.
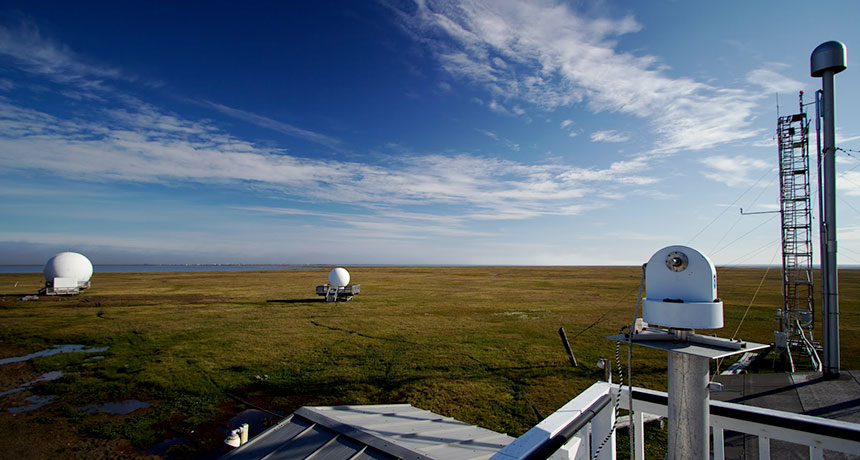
(796, 318)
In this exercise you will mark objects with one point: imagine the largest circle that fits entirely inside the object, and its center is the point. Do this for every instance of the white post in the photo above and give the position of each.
(688, 406)
(719, 442)
(600, 426)
(638, 425)
(763, 448)
(816, 453)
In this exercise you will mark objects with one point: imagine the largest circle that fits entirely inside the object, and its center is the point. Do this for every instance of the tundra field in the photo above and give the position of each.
(479, 344)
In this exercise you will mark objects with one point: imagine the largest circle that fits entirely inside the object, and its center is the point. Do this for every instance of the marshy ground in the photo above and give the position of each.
(476, 343)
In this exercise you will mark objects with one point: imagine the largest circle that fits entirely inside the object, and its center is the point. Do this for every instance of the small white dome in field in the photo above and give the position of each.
(69, 265)
(338, 277)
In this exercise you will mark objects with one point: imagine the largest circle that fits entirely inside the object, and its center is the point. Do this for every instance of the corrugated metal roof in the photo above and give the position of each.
(383, 432)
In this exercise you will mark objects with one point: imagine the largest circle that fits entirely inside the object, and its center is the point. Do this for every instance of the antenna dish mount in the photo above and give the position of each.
(677, 261)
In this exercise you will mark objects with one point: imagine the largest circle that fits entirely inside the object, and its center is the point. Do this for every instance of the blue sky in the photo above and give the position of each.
(401, 132)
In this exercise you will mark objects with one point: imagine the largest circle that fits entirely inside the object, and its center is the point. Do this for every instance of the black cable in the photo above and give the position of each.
(745, 234)
(617, 399)
(630, 330)
(254, 405)
(848, 150)
(729, 206)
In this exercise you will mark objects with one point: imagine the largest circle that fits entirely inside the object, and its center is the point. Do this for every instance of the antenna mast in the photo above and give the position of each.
(827, 60)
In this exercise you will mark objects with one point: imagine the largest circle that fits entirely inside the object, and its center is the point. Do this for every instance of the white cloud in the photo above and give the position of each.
(635, 236)
(384, 223)
(547, 55)
(506, 142)
(161, 243)
(496, 107)
(773, 82)
(566, 123)
(137, 142)
(848, 183)
(140, 143)
(733, 171)
(611, 136)
(621, 172)
(274, 125)
(840, 139)
(769, 142)
(489, 134)
(37, 54)
(848, 232)
(283, 211)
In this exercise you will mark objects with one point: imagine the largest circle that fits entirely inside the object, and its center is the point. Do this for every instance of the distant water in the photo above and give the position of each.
(54, 351)
(163, 268)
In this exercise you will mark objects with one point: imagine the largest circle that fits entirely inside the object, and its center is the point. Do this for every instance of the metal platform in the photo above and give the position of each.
(801, 393)
(341, 294)
(663, 341)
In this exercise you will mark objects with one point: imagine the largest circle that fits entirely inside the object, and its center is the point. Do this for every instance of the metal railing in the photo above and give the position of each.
(592, 417)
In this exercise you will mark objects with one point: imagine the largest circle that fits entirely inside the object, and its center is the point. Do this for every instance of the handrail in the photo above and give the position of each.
(817, 433)
(787, 420)
(562, 428)
(553, 444)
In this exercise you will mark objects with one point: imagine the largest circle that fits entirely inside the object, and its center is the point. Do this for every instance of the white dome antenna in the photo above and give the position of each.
(67, 273)
(338, 277)
(681, 290)
(338, 287)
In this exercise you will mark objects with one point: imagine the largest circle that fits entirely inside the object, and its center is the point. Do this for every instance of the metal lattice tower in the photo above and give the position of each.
(796, 318)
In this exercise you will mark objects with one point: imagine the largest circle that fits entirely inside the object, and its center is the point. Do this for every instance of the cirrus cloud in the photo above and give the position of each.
(548, 55)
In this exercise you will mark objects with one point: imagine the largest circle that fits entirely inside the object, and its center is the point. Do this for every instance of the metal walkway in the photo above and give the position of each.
(801, 393)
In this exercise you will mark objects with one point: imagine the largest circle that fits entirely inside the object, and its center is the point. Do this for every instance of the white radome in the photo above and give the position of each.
(338, 277)
(69, 265)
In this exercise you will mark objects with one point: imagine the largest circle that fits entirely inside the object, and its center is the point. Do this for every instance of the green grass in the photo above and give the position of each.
(476, 343)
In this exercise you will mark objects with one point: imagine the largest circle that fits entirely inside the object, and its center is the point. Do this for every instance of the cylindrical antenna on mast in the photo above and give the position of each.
(827, 60)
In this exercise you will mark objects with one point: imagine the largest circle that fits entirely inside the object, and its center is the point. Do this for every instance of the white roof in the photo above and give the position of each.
(398, 431)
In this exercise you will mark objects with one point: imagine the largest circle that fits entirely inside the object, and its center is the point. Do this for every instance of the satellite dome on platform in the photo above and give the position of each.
(681, 287)
(69, 265)
(338, 277)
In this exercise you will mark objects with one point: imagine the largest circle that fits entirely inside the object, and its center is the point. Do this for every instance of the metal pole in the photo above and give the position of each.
(827, 60)
(831, 297)
(688, 406)
(567, 346)
(821, 217)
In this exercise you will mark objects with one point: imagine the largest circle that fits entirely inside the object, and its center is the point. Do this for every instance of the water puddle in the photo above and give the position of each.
(35, 401)
(162, 449)
(13, 390)
(54, 351)
(47, 377)
(122, 408)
